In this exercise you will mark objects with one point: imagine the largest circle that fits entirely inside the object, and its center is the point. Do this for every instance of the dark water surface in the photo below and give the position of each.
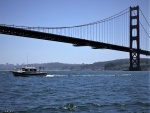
(76, 92)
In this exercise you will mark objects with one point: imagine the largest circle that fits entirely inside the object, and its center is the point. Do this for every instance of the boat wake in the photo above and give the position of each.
(55, 75)
(50, 75)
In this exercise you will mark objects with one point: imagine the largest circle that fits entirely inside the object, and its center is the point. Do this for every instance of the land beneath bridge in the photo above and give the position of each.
(120, 64)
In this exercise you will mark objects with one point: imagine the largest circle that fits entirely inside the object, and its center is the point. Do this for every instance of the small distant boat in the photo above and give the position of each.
(28, 71)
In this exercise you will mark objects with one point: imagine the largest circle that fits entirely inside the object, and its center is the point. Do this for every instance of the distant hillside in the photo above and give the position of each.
(121, 64)
(47, 66)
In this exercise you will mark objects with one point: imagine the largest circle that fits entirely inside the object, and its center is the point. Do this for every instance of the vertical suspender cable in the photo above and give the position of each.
(90, 32)
(102, 32)
(99, 33)
(96, 31)
(87, 33)
(93, 32)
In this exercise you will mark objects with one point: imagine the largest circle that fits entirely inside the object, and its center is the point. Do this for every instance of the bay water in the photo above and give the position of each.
(76, 92)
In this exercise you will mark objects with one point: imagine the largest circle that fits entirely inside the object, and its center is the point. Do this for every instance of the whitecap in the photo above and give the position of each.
(126, 74)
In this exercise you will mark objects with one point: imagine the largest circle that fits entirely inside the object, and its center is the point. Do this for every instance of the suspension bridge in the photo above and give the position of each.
(126, 31)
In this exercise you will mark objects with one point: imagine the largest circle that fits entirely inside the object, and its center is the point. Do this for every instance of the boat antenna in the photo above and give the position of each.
(27, 59)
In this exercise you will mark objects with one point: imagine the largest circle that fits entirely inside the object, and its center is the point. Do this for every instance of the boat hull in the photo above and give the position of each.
(17, 74)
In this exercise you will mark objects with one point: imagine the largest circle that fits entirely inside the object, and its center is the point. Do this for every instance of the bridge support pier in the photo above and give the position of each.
(134, 39)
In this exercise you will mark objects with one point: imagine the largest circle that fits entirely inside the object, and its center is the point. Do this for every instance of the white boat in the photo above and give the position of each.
(28, 71)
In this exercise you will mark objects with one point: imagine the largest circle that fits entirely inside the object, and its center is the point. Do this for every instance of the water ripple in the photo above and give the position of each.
(80, 92)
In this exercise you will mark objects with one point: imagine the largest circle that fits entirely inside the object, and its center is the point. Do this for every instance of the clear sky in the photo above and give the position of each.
(57, 13)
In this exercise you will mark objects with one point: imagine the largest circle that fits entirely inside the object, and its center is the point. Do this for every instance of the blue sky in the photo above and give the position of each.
(57, 13)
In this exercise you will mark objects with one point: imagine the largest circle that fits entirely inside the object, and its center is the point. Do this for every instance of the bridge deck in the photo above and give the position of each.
(59, 38)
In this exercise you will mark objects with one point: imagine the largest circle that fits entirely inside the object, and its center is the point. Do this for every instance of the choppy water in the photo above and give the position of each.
(76, 92)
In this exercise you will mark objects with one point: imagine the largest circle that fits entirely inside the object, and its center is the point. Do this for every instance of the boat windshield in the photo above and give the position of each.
(29, 69)
(32, 69)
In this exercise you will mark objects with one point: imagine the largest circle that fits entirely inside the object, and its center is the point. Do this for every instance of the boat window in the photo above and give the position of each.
(23, 69)
(26, 69)
(32, 69)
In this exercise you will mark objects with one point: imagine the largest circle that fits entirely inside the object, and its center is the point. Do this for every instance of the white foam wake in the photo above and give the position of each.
(54, 75)
(50, 75)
